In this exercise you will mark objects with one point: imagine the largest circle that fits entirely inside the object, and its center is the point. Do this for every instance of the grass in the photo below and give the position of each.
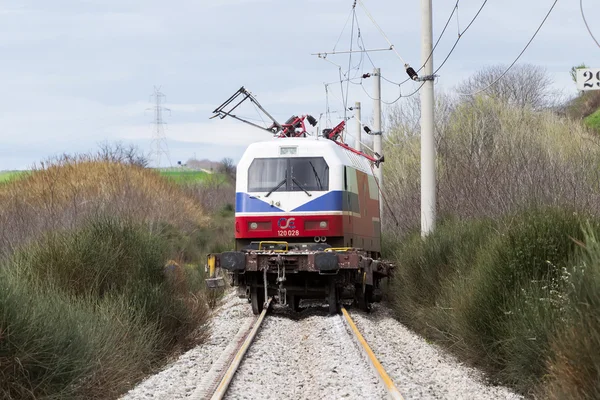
(517, 296)
(593, 121)
(185, 176)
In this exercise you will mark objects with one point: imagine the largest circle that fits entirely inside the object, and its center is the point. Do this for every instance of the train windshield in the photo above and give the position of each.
(288, 174)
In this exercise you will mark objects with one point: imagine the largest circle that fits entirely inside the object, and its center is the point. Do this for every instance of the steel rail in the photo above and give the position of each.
(239, 356)
(390, 387)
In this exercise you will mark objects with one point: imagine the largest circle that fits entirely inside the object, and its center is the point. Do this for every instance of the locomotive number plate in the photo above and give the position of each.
(288, 232)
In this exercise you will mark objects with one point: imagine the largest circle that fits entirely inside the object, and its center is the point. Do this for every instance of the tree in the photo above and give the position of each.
(573, 71)
(118, 152)
(228, 168)
(523, 85)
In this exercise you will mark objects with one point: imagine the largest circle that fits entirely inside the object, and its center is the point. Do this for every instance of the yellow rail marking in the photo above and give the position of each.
(222, 388)
(385, 379)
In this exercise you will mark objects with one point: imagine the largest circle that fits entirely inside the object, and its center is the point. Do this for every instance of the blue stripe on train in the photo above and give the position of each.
(246, 203)
(331, 201)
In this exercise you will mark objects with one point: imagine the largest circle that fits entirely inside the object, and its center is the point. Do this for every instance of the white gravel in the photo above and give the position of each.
(179, 379)
(421, 370)
(313, 356)
(309, 358)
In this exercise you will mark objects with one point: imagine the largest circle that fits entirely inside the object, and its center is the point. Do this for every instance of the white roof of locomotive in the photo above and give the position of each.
(310, 146)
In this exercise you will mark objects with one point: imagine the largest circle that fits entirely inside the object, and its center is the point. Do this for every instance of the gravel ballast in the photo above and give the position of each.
(421, 370)
(180, 379)
(313, 356)
(309, 358)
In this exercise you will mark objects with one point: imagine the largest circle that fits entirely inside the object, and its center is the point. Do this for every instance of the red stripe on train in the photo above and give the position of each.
(268, 226)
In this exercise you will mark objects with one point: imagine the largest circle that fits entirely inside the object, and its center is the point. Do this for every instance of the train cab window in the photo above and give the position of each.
(266, 174)
(288, 174)
(308, 174)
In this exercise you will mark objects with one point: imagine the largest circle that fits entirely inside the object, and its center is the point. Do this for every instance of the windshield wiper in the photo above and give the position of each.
(300, 186)
(277, 187)
(316, 175)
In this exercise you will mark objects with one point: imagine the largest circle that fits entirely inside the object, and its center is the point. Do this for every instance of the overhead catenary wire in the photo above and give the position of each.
(516, 59)
(349, 60)
(399, 84)
(381, 31)
(586, 23)
(454, 10)
(343, 29)
(460, 35)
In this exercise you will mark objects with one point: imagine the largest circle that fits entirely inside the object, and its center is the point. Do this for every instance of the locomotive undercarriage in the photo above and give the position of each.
(301, 272)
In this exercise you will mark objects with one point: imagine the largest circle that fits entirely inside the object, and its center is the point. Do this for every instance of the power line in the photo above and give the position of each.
(349, 60)
(454, 10)
(517, 59)
(343, 29)
(586, 24)
(399, 96)
(460, 36)
(381, 31)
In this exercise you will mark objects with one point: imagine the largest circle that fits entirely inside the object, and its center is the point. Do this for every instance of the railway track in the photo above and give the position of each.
(214, 385)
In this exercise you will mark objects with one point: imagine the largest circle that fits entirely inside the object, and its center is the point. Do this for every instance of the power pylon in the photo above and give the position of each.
(159, 144)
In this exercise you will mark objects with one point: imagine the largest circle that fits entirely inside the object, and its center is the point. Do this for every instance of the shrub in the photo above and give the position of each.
(574, 364)
(82, 309)
(497, 293)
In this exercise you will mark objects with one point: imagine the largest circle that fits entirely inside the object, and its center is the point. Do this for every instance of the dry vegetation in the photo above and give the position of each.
(509, 279)
(101, 264)
(69, 190)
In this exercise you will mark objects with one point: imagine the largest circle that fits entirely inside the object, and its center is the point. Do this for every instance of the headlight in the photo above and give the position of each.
(312, 225)
(253, 225)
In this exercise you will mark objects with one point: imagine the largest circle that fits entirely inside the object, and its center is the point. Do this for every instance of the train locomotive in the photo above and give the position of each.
(307, 222)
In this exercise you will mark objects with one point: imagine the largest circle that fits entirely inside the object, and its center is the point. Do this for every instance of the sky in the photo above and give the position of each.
(78, 73)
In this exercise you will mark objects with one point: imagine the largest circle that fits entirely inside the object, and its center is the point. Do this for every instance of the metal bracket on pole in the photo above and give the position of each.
(370, 132)
(425, 78)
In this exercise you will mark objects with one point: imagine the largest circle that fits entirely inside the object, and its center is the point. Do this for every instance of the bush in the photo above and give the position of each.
(94, 308)
(494, 159)
(574, 365)
(496, 293)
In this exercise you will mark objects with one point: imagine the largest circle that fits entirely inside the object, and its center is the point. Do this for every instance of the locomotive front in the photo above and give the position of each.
(306, 225)
(289, 190)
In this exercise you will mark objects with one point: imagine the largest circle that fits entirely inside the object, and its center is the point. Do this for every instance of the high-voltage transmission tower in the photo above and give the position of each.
(159, 146)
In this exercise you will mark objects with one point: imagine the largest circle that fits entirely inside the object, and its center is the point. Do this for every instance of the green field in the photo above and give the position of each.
(6, 176)
(593, 121)
(178, 175)
(184, 175)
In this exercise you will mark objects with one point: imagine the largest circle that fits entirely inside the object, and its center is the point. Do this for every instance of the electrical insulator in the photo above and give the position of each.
(411, 72)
